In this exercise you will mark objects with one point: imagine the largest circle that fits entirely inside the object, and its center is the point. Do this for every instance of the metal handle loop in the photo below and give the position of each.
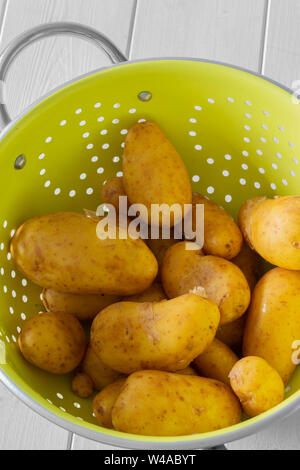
(44, 31)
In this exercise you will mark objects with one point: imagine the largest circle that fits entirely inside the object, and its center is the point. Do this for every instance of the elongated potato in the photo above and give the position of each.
(245, 216)
(184, 270)
(154, 173)
(216, 362)
(63, 252)
(155, 293)
(249, 263)
(258, 386)
(54, 342)
(104, 402)
(222, 236)
(101, 374)
(154, 403)
(82, 385)
(167, 335)
(83, 307)
(273, 320)
(274, 228)
(112, 190)
(232, 334)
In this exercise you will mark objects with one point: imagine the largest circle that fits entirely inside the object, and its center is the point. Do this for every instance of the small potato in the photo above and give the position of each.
(104, 402)
(273, 320)
(184, 270)
(222, 236)
(167, 335)
(216, 362)
(63, 252)
(159, 248)
(245, 215)
(82, 385)
(112, 190)
(154, 172)
(54, 342)
(83, 307)
(100, 374)
(154, 403)
(155, 293)
(249, 263)
(232, 334)
(258, 386)
(187, 371)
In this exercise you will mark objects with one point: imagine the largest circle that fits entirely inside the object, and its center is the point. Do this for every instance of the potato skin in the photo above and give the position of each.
(112, 190)
(223, 281)
(82, 385)
(222, 236)
(100, 374)
(232, 334)
(155, 293)
(273, 320)
(183, 405)
(54, 342)
(249, 263)
(216, 362)
(159, 248)
(63, 252)
(104, 402)
(154, 173)
(83, 307)
(189, 370)
(167, 335)
(258, 386)
(245, 217)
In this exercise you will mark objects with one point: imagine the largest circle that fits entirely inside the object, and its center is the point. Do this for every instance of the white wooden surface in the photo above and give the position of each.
(262, 35)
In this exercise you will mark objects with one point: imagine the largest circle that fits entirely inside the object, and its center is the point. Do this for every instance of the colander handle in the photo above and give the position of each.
(44, 31)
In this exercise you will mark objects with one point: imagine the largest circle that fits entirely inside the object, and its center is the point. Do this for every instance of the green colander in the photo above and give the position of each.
(237, 132)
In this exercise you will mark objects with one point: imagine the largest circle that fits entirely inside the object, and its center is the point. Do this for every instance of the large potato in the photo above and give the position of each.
(249, 263)
(184, 270)
(216, 362)
(154, 403)
(101, 374)
(167, 335)
(273, 320)
(258, 386)
(154, 173)
(232, 333)
(245, 216)
(63, 252)
(274, 228)
(104, 402)
(112, 190)
(222, 236)
(84, 307)
(155, 293)
(54, 342)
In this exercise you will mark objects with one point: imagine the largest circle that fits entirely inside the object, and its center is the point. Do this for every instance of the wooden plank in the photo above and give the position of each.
(54, 61)
(282, 54)
(223, 30)
(80, 443)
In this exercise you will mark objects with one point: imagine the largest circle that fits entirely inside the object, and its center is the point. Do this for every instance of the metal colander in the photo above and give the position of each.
(237, 133)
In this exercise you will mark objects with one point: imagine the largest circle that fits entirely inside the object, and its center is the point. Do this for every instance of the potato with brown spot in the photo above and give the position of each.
(222, 236)
(154, 403)
(104, 402)
(249, 263)
(83, 307)
(216, 362)
(232, 334)
(167, 335)
(184, 270)
(112, 190)
(155, 293)
(154, 173)
(82, 385)
(100, 373)
(63, 252)
(258, 386)
(54, 342)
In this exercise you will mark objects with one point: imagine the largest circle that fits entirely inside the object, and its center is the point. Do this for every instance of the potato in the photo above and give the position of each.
(159, 248)
(273, 320)
(184, 270)
(222, 236)
(63, 252)
(104, 402)
(155, 403)
(155, 293)
(54, 342)
(167, 335)
(245, 215)
(112, 190)
(249, 263)
(84, 307)
(258, 386)
(274, 228)
(232, 334)
(82, 385)
(154, 173)
(101, 374)
(216, 362)
(187, 371)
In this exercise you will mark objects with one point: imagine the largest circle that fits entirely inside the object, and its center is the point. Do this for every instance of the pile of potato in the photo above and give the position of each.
(181, 341)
